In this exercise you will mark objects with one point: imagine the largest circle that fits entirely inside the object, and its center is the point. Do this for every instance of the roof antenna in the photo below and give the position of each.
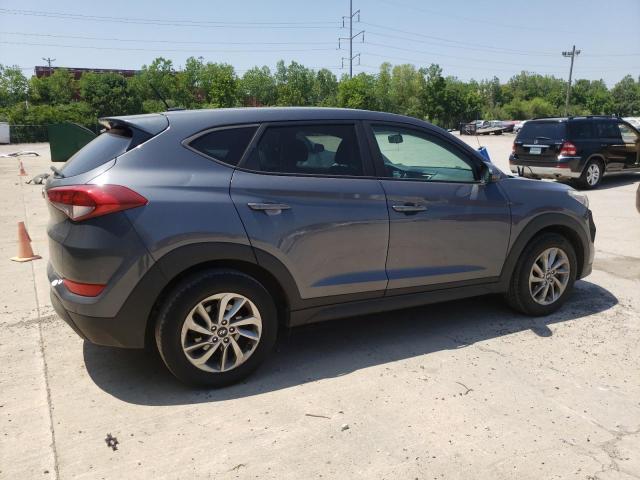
(155, 90)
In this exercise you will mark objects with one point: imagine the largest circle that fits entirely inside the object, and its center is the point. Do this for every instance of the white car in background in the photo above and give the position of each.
(635, 121)
(518, 126)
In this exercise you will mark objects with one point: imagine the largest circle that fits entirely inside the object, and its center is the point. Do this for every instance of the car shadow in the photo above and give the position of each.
(619, 180)
(332, 349)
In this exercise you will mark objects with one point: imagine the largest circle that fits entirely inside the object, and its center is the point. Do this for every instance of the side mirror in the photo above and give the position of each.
(490, 174)
(395, 138)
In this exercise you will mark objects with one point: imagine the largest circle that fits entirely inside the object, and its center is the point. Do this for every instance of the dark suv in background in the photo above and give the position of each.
(582, 149)
(203, 232)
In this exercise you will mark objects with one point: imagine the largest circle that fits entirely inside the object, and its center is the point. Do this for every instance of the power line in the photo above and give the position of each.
(458, 45)
(172, 23)
(411, 50)
(475, 20)
(442, 39)
(89, 47)
(140, 40)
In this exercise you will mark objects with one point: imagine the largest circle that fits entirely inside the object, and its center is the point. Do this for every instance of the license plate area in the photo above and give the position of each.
(535, 150)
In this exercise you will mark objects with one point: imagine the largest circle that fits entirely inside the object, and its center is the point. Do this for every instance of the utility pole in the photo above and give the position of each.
(49, 61)
(351, 36)
(571, 54)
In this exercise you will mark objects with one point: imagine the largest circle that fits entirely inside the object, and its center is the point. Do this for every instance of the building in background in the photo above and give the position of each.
(45, 71)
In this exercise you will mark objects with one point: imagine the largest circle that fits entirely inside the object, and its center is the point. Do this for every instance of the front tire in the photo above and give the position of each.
(216, 328)
(544, 276)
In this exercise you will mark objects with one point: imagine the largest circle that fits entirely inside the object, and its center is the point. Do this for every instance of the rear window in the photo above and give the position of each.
(226, 145)
(99, 151)
(544, 130)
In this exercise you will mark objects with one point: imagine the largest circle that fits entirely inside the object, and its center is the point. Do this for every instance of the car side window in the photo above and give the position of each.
(411, 155)
(226, 145)
(629, 135)
(581, 130)
(308, 149)
(607, 129)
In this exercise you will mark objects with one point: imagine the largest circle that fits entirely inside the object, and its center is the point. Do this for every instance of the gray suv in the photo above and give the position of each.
(204, 232)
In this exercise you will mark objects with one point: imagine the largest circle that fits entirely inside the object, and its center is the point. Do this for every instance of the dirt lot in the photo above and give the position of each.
(458, 390)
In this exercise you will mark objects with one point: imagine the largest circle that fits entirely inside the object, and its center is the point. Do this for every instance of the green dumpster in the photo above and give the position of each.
(67, 138)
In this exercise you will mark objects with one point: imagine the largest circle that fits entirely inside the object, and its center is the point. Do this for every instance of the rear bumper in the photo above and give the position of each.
(126, 329)
(564, 168)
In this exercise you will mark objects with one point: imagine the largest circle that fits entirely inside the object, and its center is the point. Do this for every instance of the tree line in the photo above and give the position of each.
(420, 92)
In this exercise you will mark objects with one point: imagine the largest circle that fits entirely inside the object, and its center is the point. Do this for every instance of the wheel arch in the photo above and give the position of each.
(596, 156)
(190, 259)
(547, 223)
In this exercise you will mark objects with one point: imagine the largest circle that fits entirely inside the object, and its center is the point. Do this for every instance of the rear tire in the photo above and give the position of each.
(216, 328)
(591, 175)
(536, 290)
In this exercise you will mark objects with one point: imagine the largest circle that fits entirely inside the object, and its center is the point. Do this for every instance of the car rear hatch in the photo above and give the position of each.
(90, 247)
(540, 141)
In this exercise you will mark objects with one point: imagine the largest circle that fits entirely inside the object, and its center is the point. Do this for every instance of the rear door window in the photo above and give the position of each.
(308, 149)
(607, 129)
(543, 131)
(99, 151)
(581, 130)
(226, 144)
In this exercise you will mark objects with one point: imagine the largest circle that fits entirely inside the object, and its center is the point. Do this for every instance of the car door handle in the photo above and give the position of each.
(409, 208)
(268, 208)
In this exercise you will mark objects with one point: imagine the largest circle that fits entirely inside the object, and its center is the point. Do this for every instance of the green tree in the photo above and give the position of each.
(383, 89)
(108, 94)
(56, 89)
(257, 87)
(358, 92)
(626, 97)
(13, 85)
(325, 88)
(189, 91)
(433, 97)
(157, 78)
(220, 85)
(406, 89)
(294, 84)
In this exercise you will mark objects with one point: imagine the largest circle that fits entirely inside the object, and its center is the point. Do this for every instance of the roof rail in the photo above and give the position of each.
(550, 118)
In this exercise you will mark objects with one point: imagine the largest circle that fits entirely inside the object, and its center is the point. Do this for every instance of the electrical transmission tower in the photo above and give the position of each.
(350, 38)
(573, 53)
(49, 61)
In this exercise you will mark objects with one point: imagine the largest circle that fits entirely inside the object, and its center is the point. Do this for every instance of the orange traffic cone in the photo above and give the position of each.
(25, 252)
(22, 173)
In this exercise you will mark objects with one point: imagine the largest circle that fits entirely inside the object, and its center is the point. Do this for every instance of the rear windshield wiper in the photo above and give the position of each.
(57, 171)
(546, 138)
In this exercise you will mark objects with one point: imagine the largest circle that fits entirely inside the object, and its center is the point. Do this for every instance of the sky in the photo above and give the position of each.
(468, 39)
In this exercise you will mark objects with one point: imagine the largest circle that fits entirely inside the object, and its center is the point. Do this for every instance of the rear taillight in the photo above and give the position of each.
(84, 289)
(80, 202)
(568, 149)
(513, 147)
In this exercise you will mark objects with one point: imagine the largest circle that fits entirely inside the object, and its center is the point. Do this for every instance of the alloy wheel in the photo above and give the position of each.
(221, 332)
(549, 276)
(593, 174)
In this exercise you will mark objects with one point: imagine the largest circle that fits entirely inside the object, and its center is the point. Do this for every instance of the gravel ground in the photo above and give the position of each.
(466, 389)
